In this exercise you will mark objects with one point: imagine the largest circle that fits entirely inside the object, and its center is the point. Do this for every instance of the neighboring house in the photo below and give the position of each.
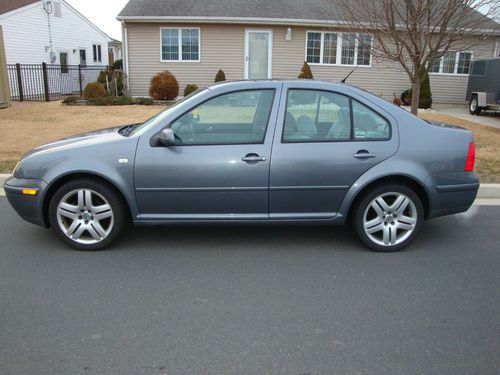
(54, 32)
(114, 51)
(254, 39)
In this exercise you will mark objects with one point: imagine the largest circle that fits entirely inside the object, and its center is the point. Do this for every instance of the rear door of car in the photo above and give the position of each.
(326, 137)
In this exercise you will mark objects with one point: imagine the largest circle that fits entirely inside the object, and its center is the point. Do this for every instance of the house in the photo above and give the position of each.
(51, 31)
(4, 88)
(255, 39)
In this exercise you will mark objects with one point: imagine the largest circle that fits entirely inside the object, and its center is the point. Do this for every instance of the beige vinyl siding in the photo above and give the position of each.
(222, 47)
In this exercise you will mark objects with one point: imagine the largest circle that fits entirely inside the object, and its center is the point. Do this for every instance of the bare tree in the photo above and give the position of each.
(414, 33)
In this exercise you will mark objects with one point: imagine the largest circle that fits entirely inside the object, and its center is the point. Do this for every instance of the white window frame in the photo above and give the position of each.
(179, 30)
(96, 60)
(455, 71)
(338, 58)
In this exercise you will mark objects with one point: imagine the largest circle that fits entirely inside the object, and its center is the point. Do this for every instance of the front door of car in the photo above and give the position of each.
(218, 167)
(324, 142)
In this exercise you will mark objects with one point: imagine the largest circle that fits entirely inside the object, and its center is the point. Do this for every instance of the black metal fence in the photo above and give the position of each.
(44, 82)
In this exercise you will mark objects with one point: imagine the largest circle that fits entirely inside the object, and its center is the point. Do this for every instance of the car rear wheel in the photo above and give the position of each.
(87, 214)
(474, 108)
(388, 218)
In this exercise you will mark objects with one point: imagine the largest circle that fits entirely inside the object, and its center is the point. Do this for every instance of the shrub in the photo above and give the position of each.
(144, 101)
(190, 88)
(425, 101)
(111, 100)
(164, 86)
(94, 90)
(71, 100)
(220, 76)
(306, 72)
(102, 77)
(117, 65)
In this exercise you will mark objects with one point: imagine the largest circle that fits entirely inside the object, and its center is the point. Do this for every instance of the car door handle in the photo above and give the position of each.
(363, 154)
(253, 158)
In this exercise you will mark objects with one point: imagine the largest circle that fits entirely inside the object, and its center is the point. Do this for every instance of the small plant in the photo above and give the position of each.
(425, 100)
(71, 100)
(164, 86)
(117, 65)
(111, 100)
(144, 101)
(94, 90)
(102, 77)
(220, 76)
(305, 72)
(190, 88)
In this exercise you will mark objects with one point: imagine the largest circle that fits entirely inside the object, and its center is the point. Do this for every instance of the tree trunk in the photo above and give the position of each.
(415, 96)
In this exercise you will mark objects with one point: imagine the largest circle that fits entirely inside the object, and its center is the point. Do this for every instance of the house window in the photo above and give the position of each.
(452, 62)
(83, 57)
(338, 48)
(63, 60)
(96, 49)
(180, 44)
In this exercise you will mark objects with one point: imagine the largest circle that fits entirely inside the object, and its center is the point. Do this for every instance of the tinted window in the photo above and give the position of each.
(316, 116)
(368, 124)
(235, 118)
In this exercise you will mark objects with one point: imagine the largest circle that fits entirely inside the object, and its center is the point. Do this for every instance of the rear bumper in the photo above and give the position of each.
(452, 199)
(29, 207)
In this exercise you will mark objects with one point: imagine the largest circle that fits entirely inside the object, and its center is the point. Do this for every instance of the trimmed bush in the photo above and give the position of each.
(102, 77)
(425, 100)
(71, 100)
(94, 90)
(220, 76)
(111, 100)
(190, 88)
(305, 72)
(144, 101)
(164, 86)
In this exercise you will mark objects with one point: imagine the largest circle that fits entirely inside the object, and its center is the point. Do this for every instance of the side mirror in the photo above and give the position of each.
(166, 137)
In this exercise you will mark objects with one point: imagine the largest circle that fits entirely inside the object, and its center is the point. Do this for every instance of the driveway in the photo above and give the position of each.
(251, 300)
(462, 112)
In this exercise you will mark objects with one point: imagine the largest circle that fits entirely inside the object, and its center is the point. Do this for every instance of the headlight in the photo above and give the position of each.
(15, 168)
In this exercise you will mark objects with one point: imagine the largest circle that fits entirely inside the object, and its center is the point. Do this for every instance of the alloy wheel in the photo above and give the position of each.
(85, 216)
(390, 219)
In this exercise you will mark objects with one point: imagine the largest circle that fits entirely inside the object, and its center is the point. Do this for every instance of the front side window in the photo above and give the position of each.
(181, 44)
(235, 118)
(452, 62)
(316, 116)
(338, 48)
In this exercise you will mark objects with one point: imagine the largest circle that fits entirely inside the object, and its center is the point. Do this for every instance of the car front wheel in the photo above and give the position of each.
(87, 214)
(388, 218)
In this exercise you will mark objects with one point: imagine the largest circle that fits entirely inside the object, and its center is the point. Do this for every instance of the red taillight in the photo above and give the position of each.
(471, 155)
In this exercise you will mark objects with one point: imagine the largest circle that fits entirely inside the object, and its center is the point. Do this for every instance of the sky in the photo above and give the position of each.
(102, 13)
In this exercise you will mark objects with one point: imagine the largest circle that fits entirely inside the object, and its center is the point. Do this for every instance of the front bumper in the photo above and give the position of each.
(29, 207)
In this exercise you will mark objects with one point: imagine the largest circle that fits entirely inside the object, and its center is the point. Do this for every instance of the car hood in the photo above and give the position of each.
(81, 140)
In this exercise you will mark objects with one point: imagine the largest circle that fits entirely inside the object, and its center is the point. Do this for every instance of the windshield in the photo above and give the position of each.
(160, 117)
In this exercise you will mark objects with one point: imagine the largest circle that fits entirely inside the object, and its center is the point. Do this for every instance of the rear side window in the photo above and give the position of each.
(316, 116)
(235, 118)
(323, 116)
(368, 124)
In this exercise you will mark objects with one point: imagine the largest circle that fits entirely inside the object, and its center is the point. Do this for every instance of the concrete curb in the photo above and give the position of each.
(486, 191)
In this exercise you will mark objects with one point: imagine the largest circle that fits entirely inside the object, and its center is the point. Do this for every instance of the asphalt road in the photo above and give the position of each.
(236, 300)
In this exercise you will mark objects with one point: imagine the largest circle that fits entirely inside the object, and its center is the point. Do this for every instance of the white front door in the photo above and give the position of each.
(258, 54)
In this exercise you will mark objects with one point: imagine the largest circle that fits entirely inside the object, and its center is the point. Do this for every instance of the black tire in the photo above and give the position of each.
(118, 210)
(361, 207)
(474, 108)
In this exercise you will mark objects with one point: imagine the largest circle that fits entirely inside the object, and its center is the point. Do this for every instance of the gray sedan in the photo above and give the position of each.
(253, 152)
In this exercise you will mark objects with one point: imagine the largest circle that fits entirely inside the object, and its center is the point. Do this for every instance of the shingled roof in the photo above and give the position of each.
(302, 11)
(10, 5)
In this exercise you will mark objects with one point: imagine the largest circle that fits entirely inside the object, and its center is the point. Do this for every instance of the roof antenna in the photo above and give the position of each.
(352, 71)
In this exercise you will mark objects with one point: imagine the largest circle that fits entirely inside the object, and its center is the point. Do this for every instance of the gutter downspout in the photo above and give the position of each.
(125, 54)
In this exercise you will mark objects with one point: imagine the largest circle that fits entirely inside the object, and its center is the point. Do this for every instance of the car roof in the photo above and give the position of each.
(257, 81)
